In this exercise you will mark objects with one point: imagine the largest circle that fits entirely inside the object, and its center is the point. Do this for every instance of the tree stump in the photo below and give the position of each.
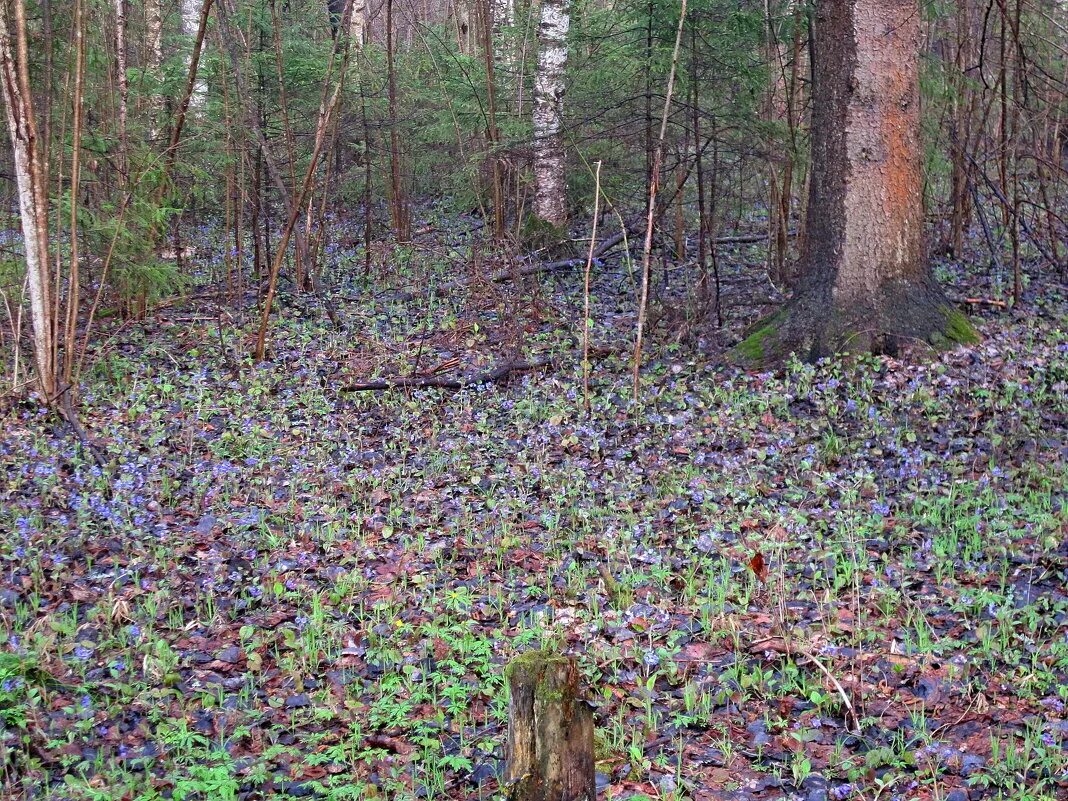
(550, 731)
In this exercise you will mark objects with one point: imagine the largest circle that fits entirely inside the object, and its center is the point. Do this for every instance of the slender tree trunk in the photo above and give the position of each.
(154, 35)
(486, 24)
(398, 195)
(191, 13)
(650, 210)
(124, 86)
(866, 286)
(228, 35)
(33, 208)
(73, 278)
(550, 193)
(287, 130)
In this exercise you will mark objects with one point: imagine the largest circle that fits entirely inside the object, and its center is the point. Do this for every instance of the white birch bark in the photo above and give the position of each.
(154, 45)
(124, 83)
(503, 14)
(190, 25)
(32, 210)
(550, 183)
(358, 24)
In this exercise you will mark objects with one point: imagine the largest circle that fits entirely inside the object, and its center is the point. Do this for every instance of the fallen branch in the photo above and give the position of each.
(985, 302)
(566, 264)
(494, 374)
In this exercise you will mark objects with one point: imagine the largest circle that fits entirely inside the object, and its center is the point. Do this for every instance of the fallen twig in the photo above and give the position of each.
(837, 685)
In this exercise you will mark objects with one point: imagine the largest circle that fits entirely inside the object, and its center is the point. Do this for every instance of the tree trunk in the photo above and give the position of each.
(33, 207)
(154, 33)
(190, 26)
(398, 198)
(358, 24)
(124, 85)
(866, 286)
(550, 731)
(550, 192)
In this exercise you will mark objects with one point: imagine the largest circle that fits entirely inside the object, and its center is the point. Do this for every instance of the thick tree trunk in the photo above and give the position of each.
(550, 191)
(29, 179)
(866, 286)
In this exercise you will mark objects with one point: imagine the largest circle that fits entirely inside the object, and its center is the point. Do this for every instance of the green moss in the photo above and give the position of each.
(958, 329)
(754, 348)
(537, 664)
(539, 234)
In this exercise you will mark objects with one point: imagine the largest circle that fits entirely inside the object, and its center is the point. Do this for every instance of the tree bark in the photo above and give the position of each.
(398, 192)
(550, 191)
(124, 84)
(866, 286)
(33, 207)
(154, 33)
(358, 24)
(550, 731)
(191, 14)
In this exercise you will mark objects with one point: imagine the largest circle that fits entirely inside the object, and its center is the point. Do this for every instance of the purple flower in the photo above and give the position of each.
(841, 791)
(83, 653)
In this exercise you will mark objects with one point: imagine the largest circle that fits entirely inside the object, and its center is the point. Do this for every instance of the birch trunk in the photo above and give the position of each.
(154, 44)
(190, 25)
(550, 182)
(865, 284)
(124, 83)
(33, 209)
(358, 24)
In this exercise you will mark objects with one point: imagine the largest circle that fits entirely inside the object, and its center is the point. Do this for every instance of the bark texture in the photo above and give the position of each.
(29, 180)
(358, 24)
(123, 80)
(550, 732)
(550, 190)
(865, 286)
(190, 25)
(154, 43)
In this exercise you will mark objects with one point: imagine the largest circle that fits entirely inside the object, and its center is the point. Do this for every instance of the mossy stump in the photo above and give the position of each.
(550, 731)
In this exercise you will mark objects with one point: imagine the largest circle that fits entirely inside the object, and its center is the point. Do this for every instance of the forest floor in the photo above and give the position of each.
(841, 581)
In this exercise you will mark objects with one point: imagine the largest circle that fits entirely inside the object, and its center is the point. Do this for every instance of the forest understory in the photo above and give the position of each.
(833, 581)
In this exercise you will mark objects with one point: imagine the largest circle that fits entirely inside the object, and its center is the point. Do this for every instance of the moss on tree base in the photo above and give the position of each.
(539, 234)
(813, 327)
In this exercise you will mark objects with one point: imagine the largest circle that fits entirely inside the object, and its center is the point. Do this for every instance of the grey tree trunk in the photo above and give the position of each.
(865, 286)
(550, 179)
